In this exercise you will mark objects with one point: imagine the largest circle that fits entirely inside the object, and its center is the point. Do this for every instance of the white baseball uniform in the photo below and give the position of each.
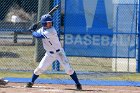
(54, 51)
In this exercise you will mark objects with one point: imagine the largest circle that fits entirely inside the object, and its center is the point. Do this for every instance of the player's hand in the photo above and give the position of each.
(33, 27)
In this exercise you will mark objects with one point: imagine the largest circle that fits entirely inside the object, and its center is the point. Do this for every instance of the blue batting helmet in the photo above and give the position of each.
(45, 18)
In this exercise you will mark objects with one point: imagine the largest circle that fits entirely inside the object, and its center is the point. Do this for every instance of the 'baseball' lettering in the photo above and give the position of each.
(99, 40)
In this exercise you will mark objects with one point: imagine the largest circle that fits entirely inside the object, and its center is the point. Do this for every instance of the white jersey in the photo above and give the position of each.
(51, 41)
(54, 51)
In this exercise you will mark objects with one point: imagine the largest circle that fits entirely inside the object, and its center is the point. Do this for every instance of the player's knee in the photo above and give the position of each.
(38, 71)
(70, 72)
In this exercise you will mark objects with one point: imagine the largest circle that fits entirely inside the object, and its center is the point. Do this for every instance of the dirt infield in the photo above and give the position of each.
(57, 88)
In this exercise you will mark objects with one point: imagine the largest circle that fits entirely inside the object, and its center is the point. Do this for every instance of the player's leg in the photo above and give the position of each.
(74, 77)
(43, 65)
(65, 64)
(72, 74)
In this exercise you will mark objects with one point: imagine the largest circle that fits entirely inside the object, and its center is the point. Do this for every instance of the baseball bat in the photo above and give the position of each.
(51, 11)
(34, 26)
(54, 9)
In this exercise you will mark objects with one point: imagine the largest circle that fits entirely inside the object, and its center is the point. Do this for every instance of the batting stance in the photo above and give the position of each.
(54, 51)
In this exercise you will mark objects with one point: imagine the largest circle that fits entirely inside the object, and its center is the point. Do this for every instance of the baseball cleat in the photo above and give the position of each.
(29, 85)
(79, 86)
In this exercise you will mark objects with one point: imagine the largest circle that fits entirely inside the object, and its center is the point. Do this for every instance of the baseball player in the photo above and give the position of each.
(54, 51)
(3, 82)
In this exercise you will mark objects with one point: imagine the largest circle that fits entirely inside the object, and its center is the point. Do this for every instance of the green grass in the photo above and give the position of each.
(127, 77)
(22, 58)
(17, 57)
(29, 75)
(124, 77)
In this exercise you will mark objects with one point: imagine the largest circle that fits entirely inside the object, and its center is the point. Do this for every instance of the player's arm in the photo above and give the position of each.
(37, 35)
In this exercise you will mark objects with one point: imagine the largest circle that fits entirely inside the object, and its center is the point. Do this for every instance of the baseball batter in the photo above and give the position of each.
(54, 51)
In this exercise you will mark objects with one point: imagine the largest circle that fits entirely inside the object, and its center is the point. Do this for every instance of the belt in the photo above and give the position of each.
(52, 52)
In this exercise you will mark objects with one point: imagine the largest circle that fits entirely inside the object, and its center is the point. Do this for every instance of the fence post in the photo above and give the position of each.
(138, 49)
(57, 25)
(43, 8)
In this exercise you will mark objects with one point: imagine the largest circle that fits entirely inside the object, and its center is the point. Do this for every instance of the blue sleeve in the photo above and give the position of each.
(37, 35)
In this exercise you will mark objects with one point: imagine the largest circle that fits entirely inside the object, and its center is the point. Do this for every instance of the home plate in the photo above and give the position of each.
(39, 86)
(52, 90)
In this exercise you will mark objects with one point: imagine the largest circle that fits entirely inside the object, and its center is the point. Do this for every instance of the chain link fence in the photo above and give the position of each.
(18, 50)
(17, 44)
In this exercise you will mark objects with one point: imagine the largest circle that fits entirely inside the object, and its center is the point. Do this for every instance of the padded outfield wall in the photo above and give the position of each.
(103, 29)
